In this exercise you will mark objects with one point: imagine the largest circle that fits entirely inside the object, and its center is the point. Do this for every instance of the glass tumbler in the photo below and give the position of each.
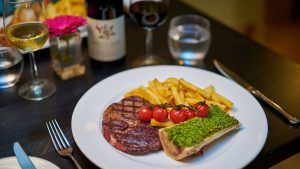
(11, 66)
(189, 39)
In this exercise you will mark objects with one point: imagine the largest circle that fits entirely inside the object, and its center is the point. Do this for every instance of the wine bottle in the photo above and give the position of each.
(106, 30)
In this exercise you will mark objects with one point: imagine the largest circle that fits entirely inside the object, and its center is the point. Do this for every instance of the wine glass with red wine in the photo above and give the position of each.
(149, 14)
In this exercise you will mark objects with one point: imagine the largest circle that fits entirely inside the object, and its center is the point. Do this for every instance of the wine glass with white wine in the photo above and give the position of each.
(27, 32)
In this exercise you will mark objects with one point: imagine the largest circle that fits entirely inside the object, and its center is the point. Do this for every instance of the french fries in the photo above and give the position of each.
(179, 91)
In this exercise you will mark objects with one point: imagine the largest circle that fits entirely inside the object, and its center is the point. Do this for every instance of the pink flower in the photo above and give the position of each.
(64, 24)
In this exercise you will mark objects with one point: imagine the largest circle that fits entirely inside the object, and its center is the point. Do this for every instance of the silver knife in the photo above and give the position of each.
(22, 157)
(231, 75)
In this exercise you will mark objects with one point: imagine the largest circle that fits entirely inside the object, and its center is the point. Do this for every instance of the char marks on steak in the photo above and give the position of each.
(122, 128)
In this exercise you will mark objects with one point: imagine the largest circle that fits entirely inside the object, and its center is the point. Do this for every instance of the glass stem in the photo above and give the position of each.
(33, 68)
(149, 44)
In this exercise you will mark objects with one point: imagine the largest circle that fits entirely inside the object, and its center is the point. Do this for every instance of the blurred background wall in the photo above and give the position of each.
(273, 23)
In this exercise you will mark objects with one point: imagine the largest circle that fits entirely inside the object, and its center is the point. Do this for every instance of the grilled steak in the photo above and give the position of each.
(122, 128)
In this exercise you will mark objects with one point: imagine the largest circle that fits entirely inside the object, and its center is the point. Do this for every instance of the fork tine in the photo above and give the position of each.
(55, 136)
(54, 143)
(65, 139)
(58, 134)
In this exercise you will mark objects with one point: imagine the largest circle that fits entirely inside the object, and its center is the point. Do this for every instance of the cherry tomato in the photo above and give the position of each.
(145, 113)
(197, 106)
(177, 116)
(160, 114)
(190, 113)
(202, 109)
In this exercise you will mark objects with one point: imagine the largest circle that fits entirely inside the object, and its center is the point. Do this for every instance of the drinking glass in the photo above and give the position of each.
(189, 39)
(28, 33)
(11, 66)
(148, 14)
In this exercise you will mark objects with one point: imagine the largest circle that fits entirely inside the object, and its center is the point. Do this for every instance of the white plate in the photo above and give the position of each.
(39, 163)
(235, 150)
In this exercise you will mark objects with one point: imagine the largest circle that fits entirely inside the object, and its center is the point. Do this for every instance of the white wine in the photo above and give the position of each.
(106, 30)
(28, 37)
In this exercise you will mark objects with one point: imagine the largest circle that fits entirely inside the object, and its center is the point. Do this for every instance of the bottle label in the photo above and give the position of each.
(106, 39)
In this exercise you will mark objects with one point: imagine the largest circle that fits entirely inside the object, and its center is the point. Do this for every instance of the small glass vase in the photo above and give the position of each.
(66, 55)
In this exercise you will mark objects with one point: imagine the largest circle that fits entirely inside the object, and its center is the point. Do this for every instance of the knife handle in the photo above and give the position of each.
(292, 119)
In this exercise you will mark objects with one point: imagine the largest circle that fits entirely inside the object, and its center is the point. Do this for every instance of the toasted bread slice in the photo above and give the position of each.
(178, 153)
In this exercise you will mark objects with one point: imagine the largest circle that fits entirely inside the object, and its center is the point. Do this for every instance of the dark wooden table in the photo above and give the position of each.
(277, 77)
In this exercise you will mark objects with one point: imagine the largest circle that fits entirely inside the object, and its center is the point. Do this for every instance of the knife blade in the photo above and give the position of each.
(22, 157)
(231, 75)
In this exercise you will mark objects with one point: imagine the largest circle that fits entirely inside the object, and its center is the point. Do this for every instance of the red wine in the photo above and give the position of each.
(105, 9)
(149, 14)
(106, 30)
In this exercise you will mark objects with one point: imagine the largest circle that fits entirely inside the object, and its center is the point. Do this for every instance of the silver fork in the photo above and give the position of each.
(60, 142)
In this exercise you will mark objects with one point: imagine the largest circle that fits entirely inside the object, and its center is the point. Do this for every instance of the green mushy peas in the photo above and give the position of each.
(194, 131)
